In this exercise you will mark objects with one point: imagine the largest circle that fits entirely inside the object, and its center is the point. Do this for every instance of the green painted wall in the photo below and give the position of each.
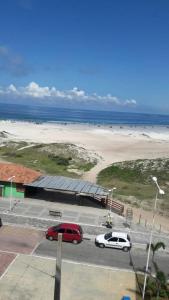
(15, 193)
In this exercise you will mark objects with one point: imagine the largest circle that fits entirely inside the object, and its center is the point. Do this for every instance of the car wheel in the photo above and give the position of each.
(101, 245)
(125, 249)
(50, 238)
(75, 242)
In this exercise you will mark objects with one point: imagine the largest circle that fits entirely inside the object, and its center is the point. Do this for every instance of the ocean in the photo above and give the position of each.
(40, 114)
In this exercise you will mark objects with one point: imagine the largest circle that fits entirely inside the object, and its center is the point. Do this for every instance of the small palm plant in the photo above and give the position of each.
(155, 248)
(157, 286)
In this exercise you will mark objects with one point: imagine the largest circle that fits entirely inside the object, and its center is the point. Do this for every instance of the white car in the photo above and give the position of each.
(119, 240)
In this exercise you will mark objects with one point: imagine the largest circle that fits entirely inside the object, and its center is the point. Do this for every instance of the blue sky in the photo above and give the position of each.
(103, 54)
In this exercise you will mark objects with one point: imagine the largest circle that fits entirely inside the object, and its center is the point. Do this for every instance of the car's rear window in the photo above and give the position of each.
(55, 227)
(108, 235)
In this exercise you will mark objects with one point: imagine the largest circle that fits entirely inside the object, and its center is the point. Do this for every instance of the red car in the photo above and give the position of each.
(70, 232)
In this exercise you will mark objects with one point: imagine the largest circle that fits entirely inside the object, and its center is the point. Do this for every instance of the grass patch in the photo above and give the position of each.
(133, 179)
(54, 159)
(86, 166)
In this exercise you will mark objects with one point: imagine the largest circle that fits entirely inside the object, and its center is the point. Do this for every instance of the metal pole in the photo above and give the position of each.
(160, 191)
(11, 196)
(149, 247)
(10, 179)
(110, 191)
(57, 288)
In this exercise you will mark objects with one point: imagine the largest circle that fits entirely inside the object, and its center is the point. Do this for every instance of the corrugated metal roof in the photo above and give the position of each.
(61, 183)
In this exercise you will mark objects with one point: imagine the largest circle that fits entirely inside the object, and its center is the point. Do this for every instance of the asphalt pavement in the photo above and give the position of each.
(87, 252)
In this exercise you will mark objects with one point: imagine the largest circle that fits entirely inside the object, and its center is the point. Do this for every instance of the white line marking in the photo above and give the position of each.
(42, 256)
(66, 261)
(36, 246)
(10, 252)
(9, 266)
(96, 266)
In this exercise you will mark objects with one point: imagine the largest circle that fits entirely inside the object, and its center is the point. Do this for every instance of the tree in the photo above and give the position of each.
(155, 248)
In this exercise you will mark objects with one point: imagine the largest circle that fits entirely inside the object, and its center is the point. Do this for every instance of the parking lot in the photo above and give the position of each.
(26, 276)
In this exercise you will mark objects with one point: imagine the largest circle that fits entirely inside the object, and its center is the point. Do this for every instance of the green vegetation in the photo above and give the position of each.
(134, 183)
(54, 159)
(156, 288)
(155, 247)
(86, 167)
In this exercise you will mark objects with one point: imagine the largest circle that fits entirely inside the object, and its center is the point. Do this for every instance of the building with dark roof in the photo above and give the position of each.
(67, 190)
(18, 181)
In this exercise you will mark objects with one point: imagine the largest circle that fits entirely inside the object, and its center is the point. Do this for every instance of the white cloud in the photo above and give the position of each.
(130, 102)
(75, 92)
(35, 91)
(12, 88)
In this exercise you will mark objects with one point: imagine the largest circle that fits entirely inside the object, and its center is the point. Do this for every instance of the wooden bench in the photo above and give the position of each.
(55, 213)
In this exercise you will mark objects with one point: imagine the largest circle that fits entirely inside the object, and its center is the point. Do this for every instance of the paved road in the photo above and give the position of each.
(24, 240)
(16, 268)
(87, 252)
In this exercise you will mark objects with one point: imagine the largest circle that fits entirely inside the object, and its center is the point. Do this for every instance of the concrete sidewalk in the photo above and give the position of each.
(31, 277)
(71, 213)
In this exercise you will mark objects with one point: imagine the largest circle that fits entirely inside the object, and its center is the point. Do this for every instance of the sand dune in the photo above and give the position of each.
(109, 143)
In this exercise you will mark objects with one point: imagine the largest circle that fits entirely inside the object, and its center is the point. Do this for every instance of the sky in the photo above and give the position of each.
(98, 54)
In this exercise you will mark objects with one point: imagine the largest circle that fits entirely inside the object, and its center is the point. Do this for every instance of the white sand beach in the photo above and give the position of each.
(108, 143)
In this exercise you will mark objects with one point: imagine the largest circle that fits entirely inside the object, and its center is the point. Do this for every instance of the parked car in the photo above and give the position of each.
(0, 222)
(70, 232)
(119, 240)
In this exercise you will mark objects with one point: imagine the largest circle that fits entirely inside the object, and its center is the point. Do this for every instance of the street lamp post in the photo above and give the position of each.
(111, 193)
(57, 289)
(161, 192)
(11, 179)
